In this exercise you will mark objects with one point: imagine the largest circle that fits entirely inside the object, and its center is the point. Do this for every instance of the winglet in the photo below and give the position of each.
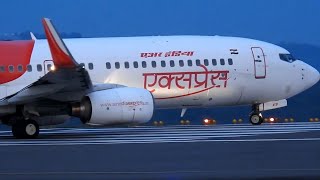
(61, 56)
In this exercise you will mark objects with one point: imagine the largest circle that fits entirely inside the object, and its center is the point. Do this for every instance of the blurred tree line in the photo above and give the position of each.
(26, 35)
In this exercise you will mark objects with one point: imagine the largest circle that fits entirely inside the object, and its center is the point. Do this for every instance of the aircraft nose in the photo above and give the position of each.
(314, 75)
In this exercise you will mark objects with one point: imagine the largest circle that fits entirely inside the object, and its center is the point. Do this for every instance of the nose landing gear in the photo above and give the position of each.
(255, 116)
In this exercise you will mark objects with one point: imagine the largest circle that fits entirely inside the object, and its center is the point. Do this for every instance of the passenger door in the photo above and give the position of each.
(259, 63)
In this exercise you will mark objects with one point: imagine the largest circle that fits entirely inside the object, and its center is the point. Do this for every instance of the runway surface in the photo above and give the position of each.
(289, 150)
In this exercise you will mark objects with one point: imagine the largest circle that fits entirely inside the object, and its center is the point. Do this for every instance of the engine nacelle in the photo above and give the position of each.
(116, 106)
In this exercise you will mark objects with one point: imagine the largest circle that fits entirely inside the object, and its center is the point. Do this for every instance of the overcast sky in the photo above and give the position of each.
(270, 20)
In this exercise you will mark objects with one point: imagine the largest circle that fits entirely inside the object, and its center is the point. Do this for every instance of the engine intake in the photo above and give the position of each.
(115, 106)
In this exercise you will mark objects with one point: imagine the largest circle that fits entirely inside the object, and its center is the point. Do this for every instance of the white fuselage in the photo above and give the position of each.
(181, 71)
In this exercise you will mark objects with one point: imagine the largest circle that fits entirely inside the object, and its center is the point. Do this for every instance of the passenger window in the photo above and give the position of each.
(126, 65)
(153, 64)
(198, 62)
(117, 65)
(181, 63)
(230, 61)
(172, 63)
(11, 68)
(135, 64)
(2, 69)
(39, 67)
(108, 65)
(29, 68)
(144, 64)
(189, 62)
(206, 62)
(49, 67)
(222, 62)
(90, 65)
(214, 62)
(163, 64)
(20, 68)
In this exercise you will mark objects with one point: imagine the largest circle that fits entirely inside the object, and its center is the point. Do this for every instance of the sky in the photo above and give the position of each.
(276, 21)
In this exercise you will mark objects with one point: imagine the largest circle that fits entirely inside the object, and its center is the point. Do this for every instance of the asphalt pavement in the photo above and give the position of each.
(242, 151)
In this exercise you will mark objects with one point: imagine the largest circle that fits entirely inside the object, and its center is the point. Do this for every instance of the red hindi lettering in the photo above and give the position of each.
(205, 81)
(144, 55)
(168, 54)
(178, 79)
(158, 54)
(146, 84)
(167, 81)
(176, 53)
(187, 53)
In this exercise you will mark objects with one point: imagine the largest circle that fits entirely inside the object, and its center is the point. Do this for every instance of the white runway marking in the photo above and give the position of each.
(168, 134)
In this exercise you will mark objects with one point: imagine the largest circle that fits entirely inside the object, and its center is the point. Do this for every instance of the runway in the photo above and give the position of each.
(284, 150)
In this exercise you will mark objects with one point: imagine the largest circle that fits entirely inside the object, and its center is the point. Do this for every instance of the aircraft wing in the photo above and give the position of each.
(68, 82)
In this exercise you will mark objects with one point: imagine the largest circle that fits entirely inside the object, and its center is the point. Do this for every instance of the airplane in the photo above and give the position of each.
(121, 81)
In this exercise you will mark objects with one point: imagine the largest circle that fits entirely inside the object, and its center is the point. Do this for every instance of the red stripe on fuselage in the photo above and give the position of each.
(14, 53)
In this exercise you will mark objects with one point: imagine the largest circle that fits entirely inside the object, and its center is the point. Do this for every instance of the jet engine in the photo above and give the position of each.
(115, 106)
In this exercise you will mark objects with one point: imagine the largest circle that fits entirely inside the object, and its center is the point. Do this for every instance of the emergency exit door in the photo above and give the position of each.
(259, 63)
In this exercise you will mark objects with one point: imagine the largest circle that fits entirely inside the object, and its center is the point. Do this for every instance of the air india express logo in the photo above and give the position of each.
(193, 82)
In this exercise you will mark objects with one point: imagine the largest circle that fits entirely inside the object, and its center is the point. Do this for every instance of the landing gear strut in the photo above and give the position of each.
(255, 116)
(25, 129)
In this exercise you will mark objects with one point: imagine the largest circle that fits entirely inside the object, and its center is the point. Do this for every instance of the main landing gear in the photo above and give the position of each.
(255, 116)
(25, 129)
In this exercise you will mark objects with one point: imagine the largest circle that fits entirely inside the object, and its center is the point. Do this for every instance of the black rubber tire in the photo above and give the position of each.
(35, 125)
(21, 129)
(253, 119)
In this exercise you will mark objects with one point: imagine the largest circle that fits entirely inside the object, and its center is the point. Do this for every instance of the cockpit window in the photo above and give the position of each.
(287, 57)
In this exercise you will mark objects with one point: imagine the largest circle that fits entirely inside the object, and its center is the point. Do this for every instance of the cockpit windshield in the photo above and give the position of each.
(287, 57)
